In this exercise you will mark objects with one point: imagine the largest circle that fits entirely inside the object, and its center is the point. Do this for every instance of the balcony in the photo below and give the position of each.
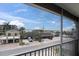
(48, 20)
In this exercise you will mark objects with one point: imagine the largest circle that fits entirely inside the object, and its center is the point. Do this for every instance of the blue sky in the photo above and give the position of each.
(31, 18)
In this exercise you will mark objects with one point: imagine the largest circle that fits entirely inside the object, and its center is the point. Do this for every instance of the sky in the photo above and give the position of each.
(24, 15)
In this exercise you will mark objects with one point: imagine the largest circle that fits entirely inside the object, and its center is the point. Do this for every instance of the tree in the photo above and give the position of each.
(22, 32)
(57, 33)
(6, 27)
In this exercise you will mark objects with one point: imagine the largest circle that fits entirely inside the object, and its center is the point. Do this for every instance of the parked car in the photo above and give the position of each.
(30, 39)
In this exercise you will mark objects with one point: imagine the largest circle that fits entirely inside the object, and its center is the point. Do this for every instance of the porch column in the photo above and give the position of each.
(6, 40)
(61, 33)
(13, 39)
(1, 41)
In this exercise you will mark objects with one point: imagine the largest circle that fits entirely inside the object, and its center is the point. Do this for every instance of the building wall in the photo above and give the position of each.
(13, 32)
(7, 38)
(77, 38)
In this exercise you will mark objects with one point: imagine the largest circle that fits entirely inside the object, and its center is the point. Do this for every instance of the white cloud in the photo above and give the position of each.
(68, 28)
(2, 22)
(73, 25)
(53, 22)
(17, 23)
(20, 10)
(37, 28)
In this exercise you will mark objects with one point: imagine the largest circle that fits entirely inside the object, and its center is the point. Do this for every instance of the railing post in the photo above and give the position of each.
(30, 54)
(42, 52)
(51, 51)
(39, 53)
(45, 51)
(34, 53)
(48, 52)
(25, 54)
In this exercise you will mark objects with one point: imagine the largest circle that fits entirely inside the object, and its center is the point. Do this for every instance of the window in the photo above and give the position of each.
(40, 25)
(68, 35)
(15, 34)
(68, 27)
(9, 34)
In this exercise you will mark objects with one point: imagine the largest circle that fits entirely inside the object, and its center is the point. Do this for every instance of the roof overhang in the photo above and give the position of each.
(58, 8)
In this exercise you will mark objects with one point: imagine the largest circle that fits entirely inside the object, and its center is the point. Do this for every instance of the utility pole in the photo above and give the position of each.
(43, 27)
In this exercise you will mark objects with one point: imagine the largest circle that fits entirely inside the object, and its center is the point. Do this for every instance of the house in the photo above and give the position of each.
(9, 35)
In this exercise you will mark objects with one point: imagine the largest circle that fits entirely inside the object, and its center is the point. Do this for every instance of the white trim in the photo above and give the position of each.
(9, 37)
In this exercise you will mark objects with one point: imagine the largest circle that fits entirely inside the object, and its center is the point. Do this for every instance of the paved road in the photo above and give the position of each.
(28, 48)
